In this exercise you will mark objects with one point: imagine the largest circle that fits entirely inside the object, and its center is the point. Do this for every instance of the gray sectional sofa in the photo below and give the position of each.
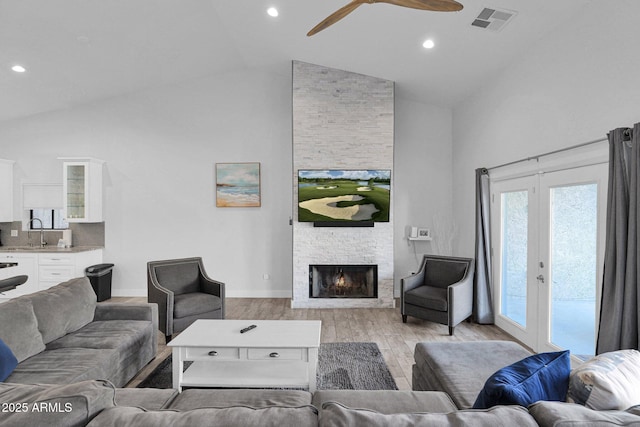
(100, 404)
(62, 335)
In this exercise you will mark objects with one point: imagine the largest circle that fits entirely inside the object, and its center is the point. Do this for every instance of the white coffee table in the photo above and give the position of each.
(277, 353)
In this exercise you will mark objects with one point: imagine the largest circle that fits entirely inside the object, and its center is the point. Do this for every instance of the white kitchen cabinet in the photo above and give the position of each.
(27, 264)
(82, 189)
(46, 269)
(6, 190)
(54, 268)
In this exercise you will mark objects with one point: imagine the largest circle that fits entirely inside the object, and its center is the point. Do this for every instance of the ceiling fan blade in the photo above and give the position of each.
(433, 5)
(336, 16)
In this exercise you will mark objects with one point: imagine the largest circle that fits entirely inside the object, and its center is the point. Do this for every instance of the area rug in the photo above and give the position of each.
(341, 366)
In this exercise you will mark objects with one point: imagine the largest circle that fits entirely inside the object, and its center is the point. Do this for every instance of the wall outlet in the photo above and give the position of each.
(14, 233)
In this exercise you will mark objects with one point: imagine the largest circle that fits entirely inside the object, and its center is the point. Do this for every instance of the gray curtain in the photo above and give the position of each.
(619, 307)
(482, 301)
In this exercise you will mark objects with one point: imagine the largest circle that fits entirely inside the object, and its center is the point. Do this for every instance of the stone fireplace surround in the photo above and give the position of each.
(341, 120)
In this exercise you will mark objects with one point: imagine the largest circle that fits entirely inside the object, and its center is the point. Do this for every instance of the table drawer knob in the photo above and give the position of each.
(274, 354)
(213, 353)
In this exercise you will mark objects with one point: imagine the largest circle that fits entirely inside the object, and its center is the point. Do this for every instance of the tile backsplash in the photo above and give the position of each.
(83, 234)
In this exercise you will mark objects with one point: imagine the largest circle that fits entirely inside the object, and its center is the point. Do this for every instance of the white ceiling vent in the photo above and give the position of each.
(493, 19)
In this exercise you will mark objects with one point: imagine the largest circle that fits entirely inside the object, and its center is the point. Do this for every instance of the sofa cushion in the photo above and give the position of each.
(128, 342)
(49, 405)
(274, 416)
(19, 328)
(106, 334)
(335, 414)
(185, 305)
(560, 414)
(66, 366)
(75, 303)
(428, 297)
(8, 361)
(607, 381)
(543, 376)
(206, 398)
(387, 402)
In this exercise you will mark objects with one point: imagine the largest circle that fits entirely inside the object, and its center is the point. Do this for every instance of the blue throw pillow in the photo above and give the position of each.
(8, 361)
(543, 376)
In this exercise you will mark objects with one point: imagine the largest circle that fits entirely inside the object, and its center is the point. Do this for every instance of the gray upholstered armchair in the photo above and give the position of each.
(441, 291)
(184, 293)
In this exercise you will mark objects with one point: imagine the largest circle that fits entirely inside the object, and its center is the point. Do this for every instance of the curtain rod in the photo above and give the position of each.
(526, 159)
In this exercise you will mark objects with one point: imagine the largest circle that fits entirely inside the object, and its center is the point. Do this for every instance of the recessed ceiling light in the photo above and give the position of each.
(18, 69)
(428, 44)
(272, 11)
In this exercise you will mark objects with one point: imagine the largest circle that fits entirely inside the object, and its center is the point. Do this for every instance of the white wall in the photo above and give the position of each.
(161, 146)
(574, 86)
(422, 189)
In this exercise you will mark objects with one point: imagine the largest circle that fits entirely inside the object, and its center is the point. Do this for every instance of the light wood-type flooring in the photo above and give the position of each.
(395, 339)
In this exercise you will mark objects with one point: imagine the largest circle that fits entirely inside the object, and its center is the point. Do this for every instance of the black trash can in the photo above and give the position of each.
(100, 277)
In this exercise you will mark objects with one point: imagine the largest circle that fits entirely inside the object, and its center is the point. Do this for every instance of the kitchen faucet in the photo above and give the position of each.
(42, 242)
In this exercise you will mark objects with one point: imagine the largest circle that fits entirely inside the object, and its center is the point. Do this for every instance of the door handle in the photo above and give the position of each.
(540, 278)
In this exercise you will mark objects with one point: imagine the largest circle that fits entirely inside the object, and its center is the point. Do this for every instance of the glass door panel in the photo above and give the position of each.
(514, 216)
(515, 226)
(572, 206)
(574, 241)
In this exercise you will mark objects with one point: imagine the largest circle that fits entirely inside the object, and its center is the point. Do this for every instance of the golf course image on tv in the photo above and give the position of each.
(344, 195)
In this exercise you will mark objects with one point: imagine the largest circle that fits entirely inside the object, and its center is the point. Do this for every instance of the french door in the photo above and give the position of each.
(548, 237)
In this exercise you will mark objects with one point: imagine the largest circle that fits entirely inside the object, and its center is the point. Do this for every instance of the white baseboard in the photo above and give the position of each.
(129, 293)
(252, 293)
(278, 293)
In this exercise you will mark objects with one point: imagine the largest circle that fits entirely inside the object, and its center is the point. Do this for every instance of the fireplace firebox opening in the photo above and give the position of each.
(343, 281)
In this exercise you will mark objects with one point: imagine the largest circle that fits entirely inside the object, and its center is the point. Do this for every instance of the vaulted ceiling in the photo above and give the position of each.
(79, 51)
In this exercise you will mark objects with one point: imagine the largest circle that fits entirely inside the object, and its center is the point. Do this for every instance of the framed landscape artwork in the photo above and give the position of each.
(237, 185)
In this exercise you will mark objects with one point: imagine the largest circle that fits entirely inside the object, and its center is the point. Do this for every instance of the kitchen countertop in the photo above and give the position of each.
(47, 249)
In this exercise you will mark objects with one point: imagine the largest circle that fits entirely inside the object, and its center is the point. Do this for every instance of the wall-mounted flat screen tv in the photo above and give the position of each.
(344, 195)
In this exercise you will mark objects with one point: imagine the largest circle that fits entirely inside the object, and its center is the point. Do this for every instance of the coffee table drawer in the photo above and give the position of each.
(215, 353)
(275, 353)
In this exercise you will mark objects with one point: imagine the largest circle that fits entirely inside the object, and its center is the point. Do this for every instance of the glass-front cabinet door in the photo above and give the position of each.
(76, 191)
(82, 192)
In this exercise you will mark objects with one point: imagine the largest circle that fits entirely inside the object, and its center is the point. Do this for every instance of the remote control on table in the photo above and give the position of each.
(247, 329)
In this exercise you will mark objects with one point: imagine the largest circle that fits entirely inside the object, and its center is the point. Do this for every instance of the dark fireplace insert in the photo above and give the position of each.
(343, 281)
